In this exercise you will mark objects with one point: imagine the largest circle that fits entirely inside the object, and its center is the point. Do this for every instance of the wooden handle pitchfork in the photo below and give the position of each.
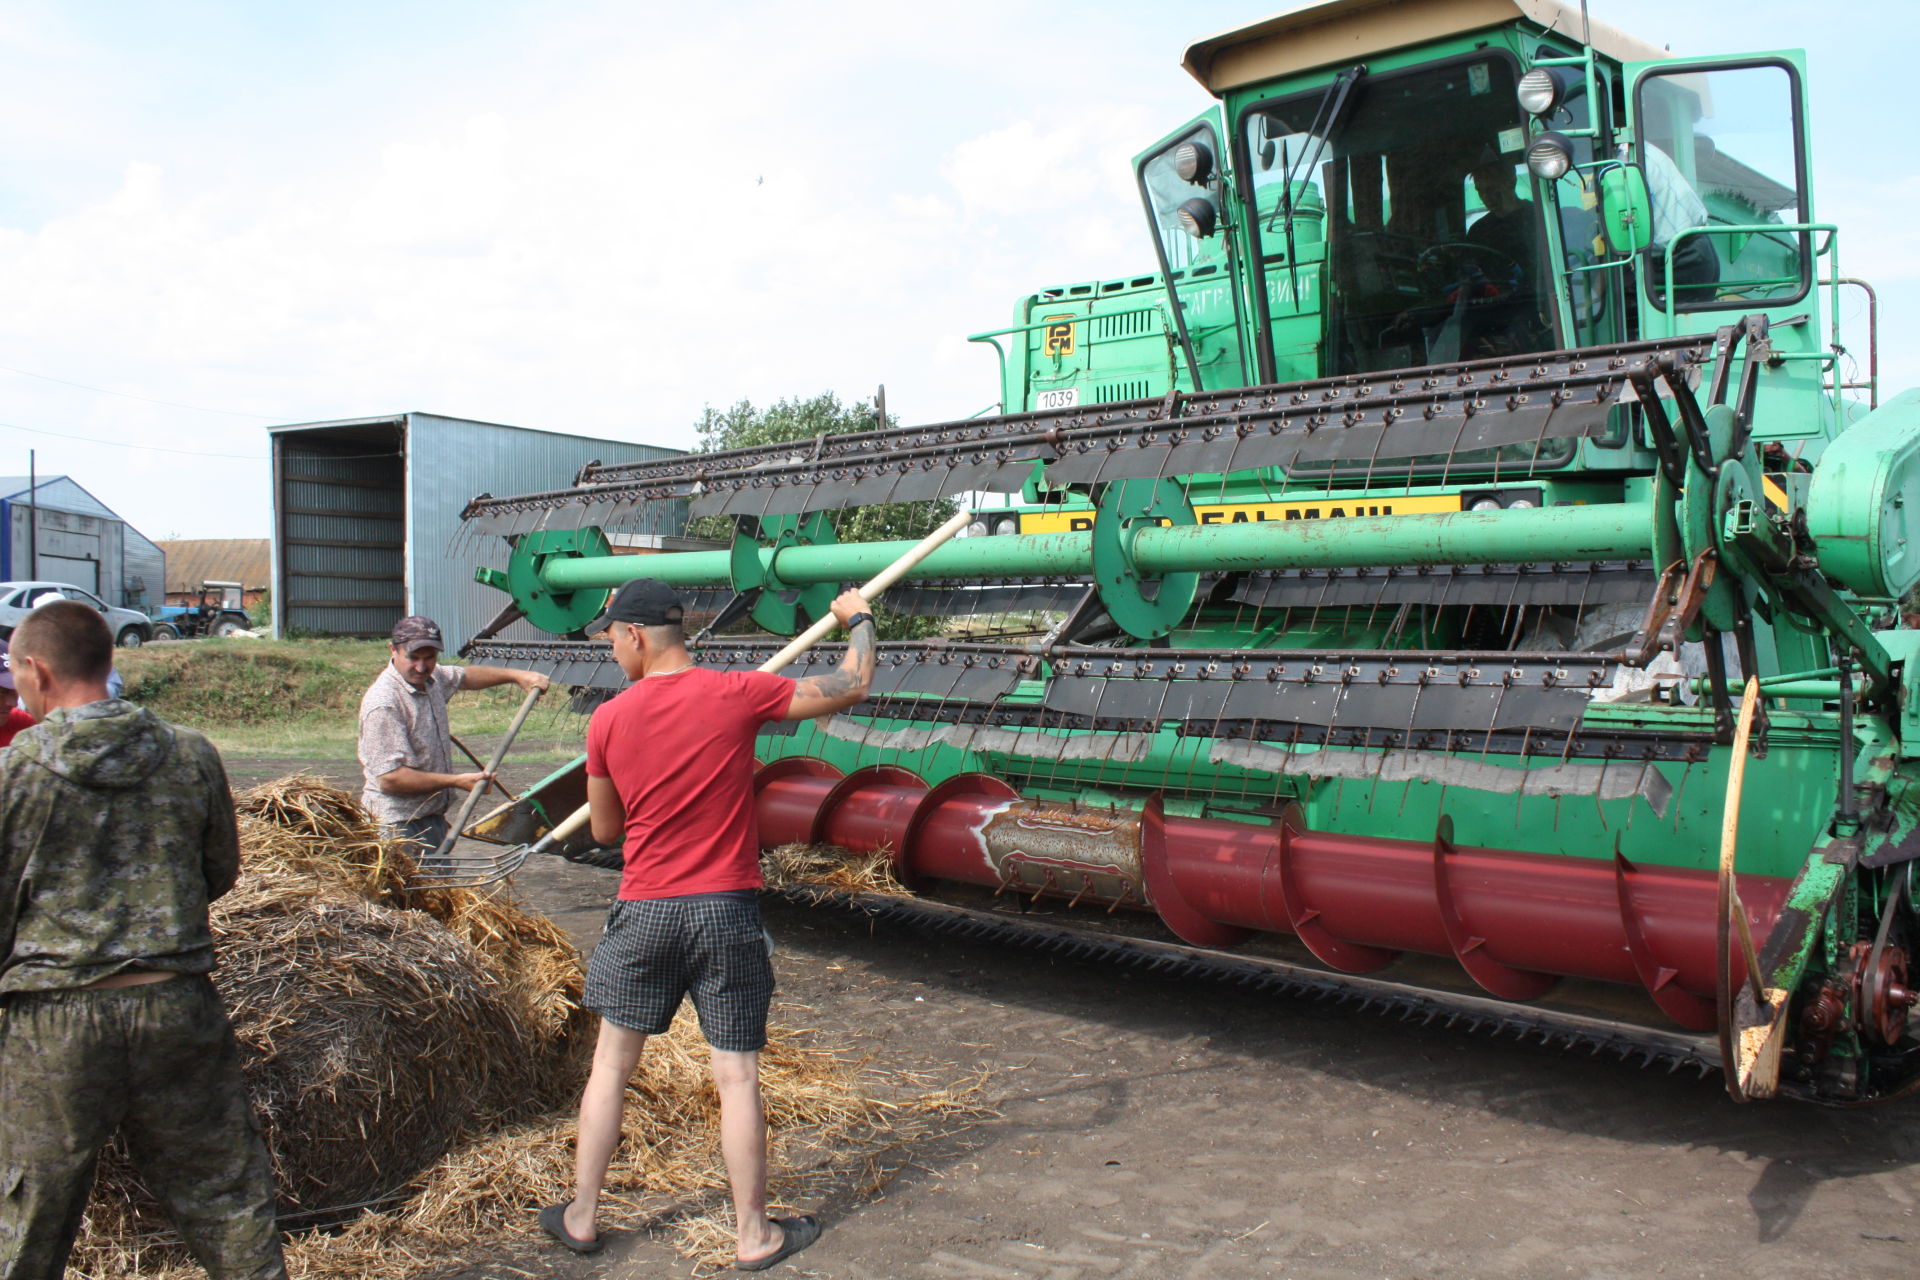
(800, 644)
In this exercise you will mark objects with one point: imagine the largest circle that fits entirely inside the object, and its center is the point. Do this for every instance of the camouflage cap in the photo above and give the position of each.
(417, 632)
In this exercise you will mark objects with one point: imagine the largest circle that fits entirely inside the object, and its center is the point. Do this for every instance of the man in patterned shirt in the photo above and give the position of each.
(406, 749)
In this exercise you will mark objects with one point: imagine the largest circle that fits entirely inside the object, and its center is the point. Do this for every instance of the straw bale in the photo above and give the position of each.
(416, 1054)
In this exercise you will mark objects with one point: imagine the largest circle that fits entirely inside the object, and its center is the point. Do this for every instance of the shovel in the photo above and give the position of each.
(555, 840)
(438, 869)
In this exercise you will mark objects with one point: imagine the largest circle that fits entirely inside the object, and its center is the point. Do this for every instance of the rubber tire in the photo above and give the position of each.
(224, 628)
(166, 631)
(130, 638)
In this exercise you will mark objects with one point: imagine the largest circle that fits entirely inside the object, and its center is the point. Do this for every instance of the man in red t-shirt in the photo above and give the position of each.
(16, 717)
(670, 773)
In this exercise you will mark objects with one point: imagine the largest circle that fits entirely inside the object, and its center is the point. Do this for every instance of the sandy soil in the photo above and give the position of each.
(1168, 1128)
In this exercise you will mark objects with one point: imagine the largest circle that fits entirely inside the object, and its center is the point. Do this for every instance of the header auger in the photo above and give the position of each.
(1483, 614)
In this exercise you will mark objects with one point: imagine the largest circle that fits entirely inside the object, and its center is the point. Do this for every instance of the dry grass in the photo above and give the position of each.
(823, 866)
(421, 1050)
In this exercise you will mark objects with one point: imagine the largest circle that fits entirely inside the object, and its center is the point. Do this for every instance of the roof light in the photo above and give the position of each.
(1541, 90)
(1193, 161)
(1549, 156)
(1198, 218)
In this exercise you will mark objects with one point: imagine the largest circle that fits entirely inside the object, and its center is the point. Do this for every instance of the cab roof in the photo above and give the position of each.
(1344, 31)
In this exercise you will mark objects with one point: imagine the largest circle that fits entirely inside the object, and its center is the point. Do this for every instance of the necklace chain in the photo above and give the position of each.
(676, 671)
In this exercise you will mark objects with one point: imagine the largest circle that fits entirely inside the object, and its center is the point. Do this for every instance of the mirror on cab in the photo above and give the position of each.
(1626, 210)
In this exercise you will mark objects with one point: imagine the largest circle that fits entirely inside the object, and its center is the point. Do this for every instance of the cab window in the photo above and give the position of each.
(1721, 149)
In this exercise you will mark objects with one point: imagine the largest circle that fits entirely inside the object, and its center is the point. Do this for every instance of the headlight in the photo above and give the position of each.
(1198, 217)
(1540, 90)
(1484, 504)
(978, 529)
(1005, 525)
(1522, 504)
(1193, 161)
(1549, 156)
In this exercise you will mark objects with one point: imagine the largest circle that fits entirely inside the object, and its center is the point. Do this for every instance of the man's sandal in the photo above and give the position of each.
(797, 1234)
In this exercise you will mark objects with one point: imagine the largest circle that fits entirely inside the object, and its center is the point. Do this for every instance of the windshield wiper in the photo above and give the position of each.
(1326, 118)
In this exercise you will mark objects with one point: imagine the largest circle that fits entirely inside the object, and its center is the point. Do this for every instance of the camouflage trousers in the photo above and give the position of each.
(158, 1063)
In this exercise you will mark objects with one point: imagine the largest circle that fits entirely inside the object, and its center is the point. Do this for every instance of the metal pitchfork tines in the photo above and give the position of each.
(468, 869)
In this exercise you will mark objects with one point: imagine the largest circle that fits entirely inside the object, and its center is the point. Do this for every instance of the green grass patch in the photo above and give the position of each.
(301, 698)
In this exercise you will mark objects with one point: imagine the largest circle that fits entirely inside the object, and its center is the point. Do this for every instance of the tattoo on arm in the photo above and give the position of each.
(854, 671)
(860, 649)
(834, 684)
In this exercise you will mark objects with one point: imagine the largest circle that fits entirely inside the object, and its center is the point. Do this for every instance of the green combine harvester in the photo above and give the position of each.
(1463, 577)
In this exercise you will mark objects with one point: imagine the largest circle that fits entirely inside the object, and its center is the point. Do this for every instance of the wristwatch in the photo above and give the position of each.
(856, 620)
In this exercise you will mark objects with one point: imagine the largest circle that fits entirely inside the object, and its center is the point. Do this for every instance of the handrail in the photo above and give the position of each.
(1829, 249)
(993, 336)
(1872, 384)
(988, 335)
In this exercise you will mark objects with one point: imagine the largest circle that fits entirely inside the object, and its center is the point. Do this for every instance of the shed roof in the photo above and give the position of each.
(402, 419)
(192, 561)
(1345, 30)
(54, 493)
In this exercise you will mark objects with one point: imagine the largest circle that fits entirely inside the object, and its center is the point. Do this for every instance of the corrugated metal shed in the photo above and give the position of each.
(192, 561)
(146, 570)
(367, 514)
(75, 538)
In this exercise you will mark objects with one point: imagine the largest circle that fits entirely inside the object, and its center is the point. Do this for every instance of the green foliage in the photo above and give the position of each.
(224, 683)
(301, 698)
(260, 612)
(744, 426)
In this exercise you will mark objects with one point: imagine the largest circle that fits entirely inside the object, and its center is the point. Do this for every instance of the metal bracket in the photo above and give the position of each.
(1673, 610)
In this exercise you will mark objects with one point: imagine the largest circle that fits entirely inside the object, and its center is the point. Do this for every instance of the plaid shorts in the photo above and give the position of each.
(711, 946)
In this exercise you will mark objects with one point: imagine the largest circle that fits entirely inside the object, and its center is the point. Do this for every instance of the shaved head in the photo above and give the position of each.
(71, 638)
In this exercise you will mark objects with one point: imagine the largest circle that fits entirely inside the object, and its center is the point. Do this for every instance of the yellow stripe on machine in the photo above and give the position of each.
(1776, 493)
(1250, 512)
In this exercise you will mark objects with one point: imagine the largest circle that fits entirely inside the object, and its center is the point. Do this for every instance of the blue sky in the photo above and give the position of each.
(602, 217)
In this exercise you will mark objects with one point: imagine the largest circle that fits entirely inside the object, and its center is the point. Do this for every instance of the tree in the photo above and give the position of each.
(744, 425)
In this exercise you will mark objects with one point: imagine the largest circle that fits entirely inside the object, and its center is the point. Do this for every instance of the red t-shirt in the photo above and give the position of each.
(17, 719)
(679, 750)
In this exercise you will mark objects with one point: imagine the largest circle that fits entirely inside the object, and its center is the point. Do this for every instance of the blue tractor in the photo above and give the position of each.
(218, 613)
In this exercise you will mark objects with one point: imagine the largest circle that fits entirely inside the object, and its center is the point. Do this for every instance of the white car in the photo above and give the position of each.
(130, 627)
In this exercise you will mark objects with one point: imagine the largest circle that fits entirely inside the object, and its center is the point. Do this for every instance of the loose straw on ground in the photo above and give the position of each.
(415, 1056)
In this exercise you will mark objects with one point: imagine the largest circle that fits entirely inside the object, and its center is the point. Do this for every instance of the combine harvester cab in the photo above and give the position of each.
(1450, 580)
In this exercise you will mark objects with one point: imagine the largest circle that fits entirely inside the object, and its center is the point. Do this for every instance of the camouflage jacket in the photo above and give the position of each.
(116, 831)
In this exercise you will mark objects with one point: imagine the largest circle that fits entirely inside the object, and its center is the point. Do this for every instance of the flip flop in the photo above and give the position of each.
(798, 1233)
(554, 1219)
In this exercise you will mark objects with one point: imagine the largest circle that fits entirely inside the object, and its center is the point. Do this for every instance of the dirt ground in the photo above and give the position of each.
(1171, 1128)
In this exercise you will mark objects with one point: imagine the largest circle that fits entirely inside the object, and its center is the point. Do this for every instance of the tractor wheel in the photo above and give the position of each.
(166, 631)
(131, 638)
(226, 627)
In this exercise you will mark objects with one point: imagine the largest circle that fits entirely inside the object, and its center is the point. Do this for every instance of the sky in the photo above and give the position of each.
(217, 215)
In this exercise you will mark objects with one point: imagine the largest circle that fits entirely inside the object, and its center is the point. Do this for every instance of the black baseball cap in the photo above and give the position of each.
(645, 602)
